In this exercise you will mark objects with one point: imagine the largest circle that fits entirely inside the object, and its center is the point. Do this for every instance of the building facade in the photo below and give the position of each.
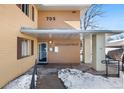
(48, 34)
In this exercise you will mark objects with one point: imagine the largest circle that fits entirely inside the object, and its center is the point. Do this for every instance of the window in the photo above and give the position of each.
(28, 10)
(25, 47)
(25, 9)
(32, 13)
(32, 47)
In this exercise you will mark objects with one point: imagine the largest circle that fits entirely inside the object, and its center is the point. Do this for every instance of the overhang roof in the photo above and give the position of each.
(62, 33)
(65, 31)
(116, 43)
(56, 7)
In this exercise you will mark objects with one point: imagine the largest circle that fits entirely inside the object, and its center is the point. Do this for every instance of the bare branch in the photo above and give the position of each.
(92, 12)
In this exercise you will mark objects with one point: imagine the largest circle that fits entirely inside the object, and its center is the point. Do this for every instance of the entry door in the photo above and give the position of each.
(43, 53)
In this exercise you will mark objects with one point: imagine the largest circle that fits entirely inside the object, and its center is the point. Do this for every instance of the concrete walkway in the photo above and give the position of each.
(48, 78)
(49, 82)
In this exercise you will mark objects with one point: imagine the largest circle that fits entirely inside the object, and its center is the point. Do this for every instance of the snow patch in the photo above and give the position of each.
(23, 82)
(73, 78)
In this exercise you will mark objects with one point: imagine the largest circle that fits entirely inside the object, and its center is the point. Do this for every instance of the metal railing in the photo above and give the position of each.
(123, 66)
(109, 62)
(33, 83)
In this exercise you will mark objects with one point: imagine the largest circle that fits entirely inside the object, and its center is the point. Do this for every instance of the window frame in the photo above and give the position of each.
(28, 10)
(24, 47)
(32, 13)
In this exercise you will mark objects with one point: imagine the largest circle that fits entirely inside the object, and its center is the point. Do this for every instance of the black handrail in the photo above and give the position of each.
(33, 83)
(122, 66)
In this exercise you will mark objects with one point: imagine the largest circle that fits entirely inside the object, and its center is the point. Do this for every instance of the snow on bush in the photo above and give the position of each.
(73, 78)
(23, 82)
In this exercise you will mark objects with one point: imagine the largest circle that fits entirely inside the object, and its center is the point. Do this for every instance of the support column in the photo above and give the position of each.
(81, 48)
(98, 51)
(88, 48)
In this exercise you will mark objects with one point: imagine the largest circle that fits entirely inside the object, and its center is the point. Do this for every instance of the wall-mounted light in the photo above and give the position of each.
(50, 42)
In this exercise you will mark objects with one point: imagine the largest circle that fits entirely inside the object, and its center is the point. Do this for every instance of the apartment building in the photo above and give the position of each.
(50, 34)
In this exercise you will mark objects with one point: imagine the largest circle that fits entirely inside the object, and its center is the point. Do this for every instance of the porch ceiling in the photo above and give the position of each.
(59, 37)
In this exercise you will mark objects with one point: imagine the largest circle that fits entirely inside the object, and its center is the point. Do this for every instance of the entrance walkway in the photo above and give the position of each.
(49, 82)
(48, 74)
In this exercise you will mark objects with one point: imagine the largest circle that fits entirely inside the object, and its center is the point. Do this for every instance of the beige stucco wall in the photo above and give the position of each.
(11, 21)
(69, 51)
(64, 19)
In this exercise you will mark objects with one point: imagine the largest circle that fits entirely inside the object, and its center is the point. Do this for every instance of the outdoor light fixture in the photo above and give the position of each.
(50, 42)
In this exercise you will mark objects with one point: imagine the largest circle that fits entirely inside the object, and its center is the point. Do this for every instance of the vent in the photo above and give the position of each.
(73, 11)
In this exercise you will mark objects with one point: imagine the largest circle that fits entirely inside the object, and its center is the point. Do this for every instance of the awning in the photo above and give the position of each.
(63, 31)
(115, 44)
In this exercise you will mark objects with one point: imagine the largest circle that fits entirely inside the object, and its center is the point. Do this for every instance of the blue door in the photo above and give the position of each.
(43, 53)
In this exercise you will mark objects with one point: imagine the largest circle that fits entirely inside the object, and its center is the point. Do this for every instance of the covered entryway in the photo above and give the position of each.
(64, 45)
(58, 46)
(64, 52)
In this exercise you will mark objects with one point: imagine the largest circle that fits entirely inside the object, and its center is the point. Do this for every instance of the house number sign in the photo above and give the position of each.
(50, 18)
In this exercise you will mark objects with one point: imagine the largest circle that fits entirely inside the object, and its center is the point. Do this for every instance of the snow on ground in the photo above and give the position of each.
(23, 82)
(76, 79)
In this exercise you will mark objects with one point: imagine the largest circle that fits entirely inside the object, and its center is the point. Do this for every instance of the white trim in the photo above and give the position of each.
(46, 51)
